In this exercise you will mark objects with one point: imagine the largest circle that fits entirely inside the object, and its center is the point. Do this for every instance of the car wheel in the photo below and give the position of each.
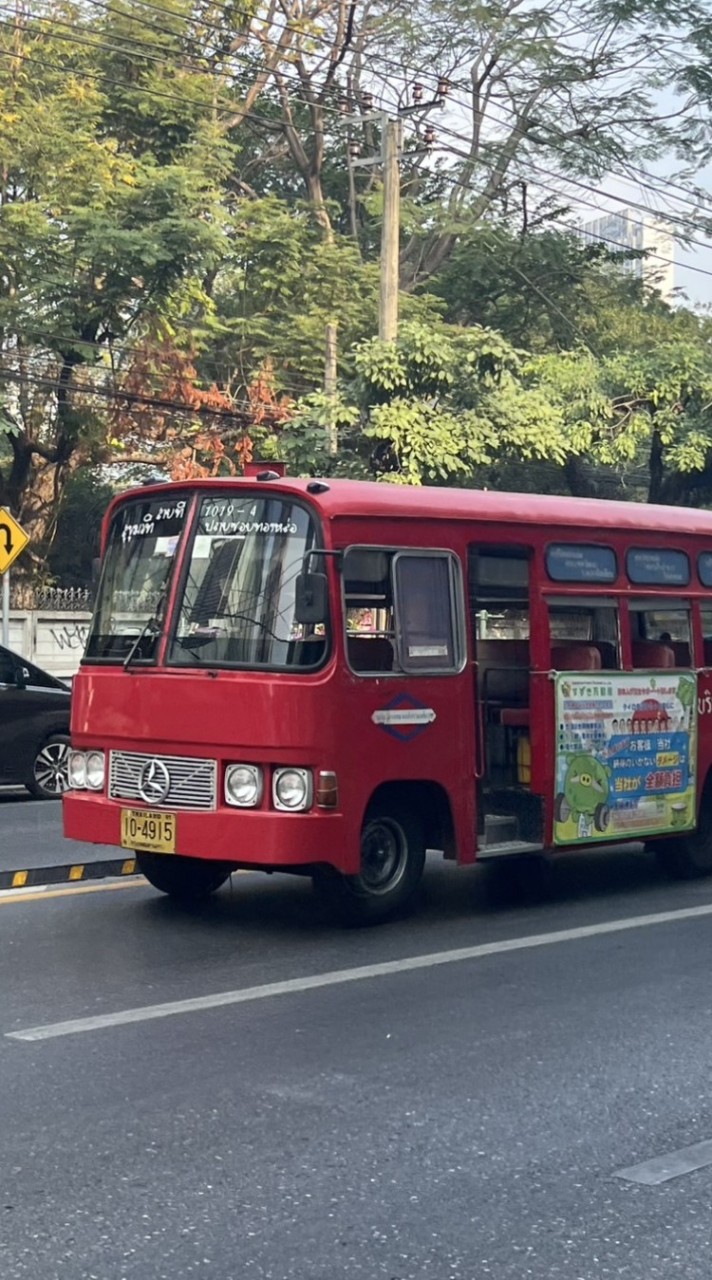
(49, 778)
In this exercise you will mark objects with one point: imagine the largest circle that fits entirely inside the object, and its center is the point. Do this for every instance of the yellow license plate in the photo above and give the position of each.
(146, 830)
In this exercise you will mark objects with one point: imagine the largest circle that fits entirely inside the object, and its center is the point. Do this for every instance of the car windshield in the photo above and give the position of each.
(238, 598)
(143, 540)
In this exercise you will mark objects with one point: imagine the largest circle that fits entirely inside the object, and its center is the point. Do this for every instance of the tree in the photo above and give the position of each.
(541, 93)
(436, 407)
(279, 287)
(93, 239)
(643, 408)
(545, 289)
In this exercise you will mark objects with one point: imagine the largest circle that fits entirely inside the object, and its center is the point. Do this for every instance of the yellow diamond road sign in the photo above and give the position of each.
(13, 539)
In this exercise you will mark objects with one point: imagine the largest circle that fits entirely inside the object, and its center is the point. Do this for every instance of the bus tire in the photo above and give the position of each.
(687, 858)
(185, 879)
(392, 862)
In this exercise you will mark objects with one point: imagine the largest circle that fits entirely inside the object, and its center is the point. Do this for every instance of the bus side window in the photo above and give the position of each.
(706, 618)
(584, 636)
(499, 611)
(368, 604)
(427, 598)
(661, 636)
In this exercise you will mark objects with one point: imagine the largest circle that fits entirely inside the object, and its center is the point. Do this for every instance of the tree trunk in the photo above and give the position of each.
(581, 483)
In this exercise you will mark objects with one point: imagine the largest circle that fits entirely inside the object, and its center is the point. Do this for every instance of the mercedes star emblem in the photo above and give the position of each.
(154, 782)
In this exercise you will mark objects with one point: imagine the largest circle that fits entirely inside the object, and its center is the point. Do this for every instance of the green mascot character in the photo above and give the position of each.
(584, 798)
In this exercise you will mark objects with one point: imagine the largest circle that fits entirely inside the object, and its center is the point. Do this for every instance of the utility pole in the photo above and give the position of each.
(389, 161)
(390, 234)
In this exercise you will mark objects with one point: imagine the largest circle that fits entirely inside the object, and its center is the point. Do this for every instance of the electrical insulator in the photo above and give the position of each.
(443, 87)
(354, 149)
(367, 101)
(343, 104)
(429, 136)
(417, 92)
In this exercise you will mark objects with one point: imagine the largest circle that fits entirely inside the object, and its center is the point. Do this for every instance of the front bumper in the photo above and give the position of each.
(256, 838)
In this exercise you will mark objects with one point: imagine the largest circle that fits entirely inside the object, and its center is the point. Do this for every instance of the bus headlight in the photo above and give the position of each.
(94, 770)
(243, 785)
(77, 771)
(292, 789)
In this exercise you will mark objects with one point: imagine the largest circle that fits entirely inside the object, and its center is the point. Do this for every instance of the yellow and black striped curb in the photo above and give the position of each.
(72, 873)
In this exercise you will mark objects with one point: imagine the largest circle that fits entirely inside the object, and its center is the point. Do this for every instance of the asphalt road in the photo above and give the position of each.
(30, 834)
(462, 1120)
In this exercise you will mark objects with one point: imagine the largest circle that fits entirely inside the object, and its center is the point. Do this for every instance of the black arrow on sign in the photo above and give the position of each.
(7, 531)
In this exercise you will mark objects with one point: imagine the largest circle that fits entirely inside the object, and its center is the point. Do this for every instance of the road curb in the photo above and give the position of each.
(70, 873)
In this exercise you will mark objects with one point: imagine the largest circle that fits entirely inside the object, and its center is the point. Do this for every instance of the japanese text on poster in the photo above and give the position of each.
(626, 755)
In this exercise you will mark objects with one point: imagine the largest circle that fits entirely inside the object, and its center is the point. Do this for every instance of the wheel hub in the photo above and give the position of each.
(383, 855)
(50, 768)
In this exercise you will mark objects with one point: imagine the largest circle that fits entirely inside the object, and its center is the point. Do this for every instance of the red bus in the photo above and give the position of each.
(330, 677)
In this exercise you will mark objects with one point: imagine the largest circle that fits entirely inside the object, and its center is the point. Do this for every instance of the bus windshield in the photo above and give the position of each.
(143, 540)
(237, 599)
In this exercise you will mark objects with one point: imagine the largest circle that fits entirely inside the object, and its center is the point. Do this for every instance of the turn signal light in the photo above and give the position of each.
(327, 790)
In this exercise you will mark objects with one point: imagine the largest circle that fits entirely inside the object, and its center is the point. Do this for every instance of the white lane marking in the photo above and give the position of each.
(337, 977)
(673, 1165)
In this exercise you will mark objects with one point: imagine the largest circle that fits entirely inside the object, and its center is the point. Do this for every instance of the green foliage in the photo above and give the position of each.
(76, 540)
(457, 404)
(159, 182)
(320, 439)
(282, 284)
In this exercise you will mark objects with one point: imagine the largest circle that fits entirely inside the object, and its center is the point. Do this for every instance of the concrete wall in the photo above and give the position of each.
(52, 638)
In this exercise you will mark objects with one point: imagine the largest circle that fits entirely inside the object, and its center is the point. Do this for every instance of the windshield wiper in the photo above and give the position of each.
(151, 624)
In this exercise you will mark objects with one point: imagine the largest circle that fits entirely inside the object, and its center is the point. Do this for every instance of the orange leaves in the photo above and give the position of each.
(209, 457)
(267, 409)
(194, 431)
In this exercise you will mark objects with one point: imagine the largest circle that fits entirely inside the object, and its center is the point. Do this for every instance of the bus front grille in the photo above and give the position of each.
(163, 782)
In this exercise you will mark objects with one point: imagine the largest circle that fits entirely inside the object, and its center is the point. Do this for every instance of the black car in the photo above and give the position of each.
(34, 727)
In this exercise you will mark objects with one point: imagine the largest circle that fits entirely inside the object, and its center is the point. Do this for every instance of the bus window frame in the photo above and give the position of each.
(180, 579)
(592, 601)
(638, 585)
(689, 604)
(579, 583)
(457, 611)
(457, 605)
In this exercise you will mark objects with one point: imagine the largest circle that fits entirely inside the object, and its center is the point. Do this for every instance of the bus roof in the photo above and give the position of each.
(362, 498)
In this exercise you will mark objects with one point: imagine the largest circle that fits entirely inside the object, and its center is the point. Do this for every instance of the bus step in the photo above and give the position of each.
(500, 828)
(507, 848)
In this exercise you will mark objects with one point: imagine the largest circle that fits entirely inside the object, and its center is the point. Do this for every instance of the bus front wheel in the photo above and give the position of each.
(185, 879)
(392, 862)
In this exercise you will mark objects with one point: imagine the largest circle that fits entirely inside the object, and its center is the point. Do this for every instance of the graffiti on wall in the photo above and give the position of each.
(69, 635)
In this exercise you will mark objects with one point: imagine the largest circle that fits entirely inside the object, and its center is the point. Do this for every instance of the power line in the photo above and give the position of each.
(133, 397)
(619, 244)
(231, 107)
(595, 191)
(512, 115)
(290, 79)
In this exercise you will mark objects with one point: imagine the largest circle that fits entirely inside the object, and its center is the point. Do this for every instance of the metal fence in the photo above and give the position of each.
(23, 595)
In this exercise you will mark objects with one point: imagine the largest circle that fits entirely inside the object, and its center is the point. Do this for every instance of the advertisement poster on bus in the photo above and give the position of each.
(626, 755)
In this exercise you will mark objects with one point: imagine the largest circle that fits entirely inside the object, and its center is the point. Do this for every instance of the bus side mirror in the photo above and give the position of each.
(311, 598)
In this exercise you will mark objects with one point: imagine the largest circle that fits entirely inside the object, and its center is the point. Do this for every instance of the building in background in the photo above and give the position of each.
(632, 229)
